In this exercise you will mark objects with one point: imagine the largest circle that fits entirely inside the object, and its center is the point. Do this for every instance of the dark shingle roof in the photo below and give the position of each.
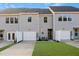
(64, 9)
(19, 10)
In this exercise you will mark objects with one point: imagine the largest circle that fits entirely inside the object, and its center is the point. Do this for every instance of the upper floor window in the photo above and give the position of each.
(7, 20)
(69, 19)
(11, 20)
(64, 19)
(45, 19)
(76, 30)
(29, 19)
(60, 19)
(16, 20)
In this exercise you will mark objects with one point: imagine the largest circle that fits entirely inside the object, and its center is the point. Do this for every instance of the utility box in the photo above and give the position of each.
(62, 35)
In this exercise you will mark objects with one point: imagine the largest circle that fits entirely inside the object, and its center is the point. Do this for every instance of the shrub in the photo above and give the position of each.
(43, 39)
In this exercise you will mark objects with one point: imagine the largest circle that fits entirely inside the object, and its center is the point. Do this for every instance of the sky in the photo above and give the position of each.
(35, 5)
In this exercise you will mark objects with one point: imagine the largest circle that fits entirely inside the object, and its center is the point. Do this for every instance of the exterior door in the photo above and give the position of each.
(11, 36)
(1, 34)
(76, 33)
(49, 33)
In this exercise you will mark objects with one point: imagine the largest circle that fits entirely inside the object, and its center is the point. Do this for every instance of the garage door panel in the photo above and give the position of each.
(29, 36)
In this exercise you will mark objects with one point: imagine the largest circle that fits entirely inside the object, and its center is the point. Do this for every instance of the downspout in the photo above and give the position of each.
(53, 22)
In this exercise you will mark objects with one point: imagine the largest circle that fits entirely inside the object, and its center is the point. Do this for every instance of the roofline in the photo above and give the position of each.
(40, 14)
(66, 12)
(74, 12)
(21, 14)
(51, 10)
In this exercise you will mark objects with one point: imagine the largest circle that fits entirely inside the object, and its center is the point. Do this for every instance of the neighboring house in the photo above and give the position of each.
(45, 22)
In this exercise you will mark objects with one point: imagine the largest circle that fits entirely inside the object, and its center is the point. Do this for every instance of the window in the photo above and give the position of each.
(42, 32)
(60, 19)
(9, 36)
(76, 34)
(69, 19)
(64, 19)
(29, 19)
(11, 20)
(7, 20)
(16, 20)
(75, 30)
(45, 19)
(1, 35)
(13, 36)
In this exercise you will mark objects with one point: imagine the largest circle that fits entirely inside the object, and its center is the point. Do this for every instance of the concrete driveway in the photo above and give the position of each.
(74, 43)
(24, 48)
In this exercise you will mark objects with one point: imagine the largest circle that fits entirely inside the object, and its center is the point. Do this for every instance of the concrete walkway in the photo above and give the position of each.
(4, 43)
(24, 48)
(74, 43)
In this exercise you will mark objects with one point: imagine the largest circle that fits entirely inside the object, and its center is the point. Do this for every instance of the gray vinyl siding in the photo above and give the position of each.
(45, 26)
(7, 27)
(24, 25)
(66, 25)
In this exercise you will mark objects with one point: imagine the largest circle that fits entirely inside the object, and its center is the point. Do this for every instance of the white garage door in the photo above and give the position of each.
(29, 36)
(62, 35)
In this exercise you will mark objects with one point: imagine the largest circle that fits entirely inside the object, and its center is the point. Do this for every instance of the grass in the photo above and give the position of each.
(49, 48)
(5, 47)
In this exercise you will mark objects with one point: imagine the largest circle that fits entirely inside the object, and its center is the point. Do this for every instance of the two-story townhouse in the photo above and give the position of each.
(66, 18)
(45, 22)
(25, 20)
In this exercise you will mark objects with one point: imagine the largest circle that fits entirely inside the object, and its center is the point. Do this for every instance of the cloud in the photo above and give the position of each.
(10, 6)
(57, 4)
(53, 4)
(7, 5)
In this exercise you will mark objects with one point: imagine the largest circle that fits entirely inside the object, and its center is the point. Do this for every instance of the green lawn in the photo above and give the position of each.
(50, 48)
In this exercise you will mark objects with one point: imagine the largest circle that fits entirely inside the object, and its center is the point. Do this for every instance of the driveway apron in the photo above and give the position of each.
(24, 48)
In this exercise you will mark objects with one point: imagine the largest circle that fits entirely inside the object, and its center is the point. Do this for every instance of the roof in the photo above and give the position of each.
(64, 9)
(39, 10)
(19, 10)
